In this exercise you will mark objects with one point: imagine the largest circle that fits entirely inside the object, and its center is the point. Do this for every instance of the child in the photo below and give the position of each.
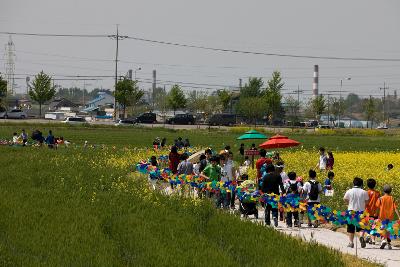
(387, 207)
(330, 161)
(389, 167)
(15, 139)
(328, 183)
(312, 189)
(291, 187)
(371, 205)
(247, 161)
(153, 161)
(322, 159)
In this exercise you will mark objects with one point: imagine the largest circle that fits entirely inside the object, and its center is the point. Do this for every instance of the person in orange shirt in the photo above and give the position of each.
(371, 207)
(387, 207)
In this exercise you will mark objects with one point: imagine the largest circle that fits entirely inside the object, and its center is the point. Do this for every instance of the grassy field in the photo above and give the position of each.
(141, 137)
(75, 207)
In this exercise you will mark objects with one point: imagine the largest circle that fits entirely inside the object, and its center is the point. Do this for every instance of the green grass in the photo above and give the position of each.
(141, 137)
(67, 207)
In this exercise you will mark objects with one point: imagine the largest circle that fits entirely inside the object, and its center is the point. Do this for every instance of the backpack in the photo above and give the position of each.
(292, 188)
(314, 190)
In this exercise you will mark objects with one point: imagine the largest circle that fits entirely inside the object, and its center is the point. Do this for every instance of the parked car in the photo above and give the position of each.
(13, 114)
(125, 122)
(74, 120)
(323, 126)
(182, 119)
(147, 117)
(222, 119)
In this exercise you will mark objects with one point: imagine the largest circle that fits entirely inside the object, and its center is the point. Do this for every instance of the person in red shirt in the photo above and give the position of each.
(371, 206)
(387, 207)
(174, 159)
(261, 161)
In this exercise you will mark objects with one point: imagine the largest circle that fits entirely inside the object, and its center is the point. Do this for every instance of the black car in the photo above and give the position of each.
(223, 119)
(147, 117)
(182, 119)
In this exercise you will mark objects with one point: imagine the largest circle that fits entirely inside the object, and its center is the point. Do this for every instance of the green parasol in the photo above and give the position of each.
(252, 134)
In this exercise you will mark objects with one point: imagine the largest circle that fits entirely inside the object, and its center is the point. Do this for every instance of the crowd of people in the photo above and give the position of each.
(271, 178)
(38, 139)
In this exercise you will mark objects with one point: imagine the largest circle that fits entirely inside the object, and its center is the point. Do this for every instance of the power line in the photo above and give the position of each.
(261, 53)
(204, 47)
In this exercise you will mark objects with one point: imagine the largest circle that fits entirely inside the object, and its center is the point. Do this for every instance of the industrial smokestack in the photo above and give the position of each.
(315, 81)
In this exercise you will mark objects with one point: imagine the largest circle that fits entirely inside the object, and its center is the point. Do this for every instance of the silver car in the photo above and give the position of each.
(14, 114)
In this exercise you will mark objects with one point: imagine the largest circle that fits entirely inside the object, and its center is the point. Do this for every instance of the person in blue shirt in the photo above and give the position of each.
(328, 181)
(50, 140)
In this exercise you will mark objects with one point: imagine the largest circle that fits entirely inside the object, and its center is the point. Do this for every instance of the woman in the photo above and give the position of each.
(174, 159)
(330, 161)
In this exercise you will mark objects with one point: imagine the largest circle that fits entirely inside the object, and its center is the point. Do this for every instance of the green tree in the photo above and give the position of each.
(253, 88)
(127, 93)
(369, 109)
(317, 106)
(176, 98)
(41, 90)
(273, 95)
(252, 108)
(225, 98)
(338, 107)
(3, 90)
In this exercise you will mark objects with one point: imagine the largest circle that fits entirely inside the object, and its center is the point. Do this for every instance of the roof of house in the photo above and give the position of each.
(62, 102)
(100, 96)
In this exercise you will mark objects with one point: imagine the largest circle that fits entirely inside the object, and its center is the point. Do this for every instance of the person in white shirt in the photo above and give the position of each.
(323, 159)
(228, 175)
(15, 139)
(357, 199)
(313, 190)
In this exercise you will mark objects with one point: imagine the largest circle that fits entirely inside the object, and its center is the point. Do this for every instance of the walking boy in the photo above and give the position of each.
(387, 207)
(357, 199)
(312, 189)
(371, 206)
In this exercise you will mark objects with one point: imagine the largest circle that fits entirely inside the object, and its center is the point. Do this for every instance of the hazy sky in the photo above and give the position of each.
(343, 28)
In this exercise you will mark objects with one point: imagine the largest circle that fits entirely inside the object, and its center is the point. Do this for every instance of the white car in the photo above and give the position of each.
(125, 122)
(74, 120)
(13, 114)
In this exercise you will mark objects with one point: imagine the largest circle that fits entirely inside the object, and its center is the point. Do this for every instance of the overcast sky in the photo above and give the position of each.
(342, 28)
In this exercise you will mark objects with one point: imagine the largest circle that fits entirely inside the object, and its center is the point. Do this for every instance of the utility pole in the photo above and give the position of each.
(116, 37)
(154, 86)
(384, 88)
(240, 83)
(10, 66)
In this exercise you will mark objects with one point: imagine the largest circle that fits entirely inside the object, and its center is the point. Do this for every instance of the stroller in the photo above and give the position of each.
(248, 207)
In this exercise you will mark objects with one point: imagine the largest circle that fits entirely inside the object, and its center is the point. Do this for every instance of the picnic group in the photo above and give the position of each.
(272, 178)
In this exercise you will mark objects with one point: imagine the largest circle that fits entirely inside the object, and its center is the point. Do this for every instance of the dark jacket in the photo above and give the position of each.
(271, 182)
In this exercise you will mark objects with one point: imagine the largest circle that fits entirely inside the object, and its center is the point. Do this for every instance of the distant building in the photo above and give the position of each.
(101, 102)
(63, 104)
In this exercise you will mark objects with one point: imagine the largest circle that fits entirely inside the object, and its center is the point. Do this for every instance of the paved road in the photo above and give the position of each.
(168, 126)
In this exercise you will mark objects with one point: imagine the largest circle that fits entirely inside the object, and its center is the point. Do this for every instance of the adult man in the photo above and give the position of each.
(228, 175)
(357, 199)
(271, 183)
(312, 189)
(185, 166)
(261, 161)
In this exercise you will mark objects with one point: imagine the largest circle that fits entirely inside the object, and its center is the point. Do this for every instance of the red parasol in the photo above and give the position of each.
(279, 141)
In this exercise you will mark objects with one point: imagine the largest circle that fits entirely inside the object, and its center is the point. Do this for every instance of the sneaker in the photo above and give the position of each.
(289, 225)
(350, 245)
(368, 240)
(309, 224)
(389, 246)
(316, 224)
(276, 222)
(383, 244)
(362, 242)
